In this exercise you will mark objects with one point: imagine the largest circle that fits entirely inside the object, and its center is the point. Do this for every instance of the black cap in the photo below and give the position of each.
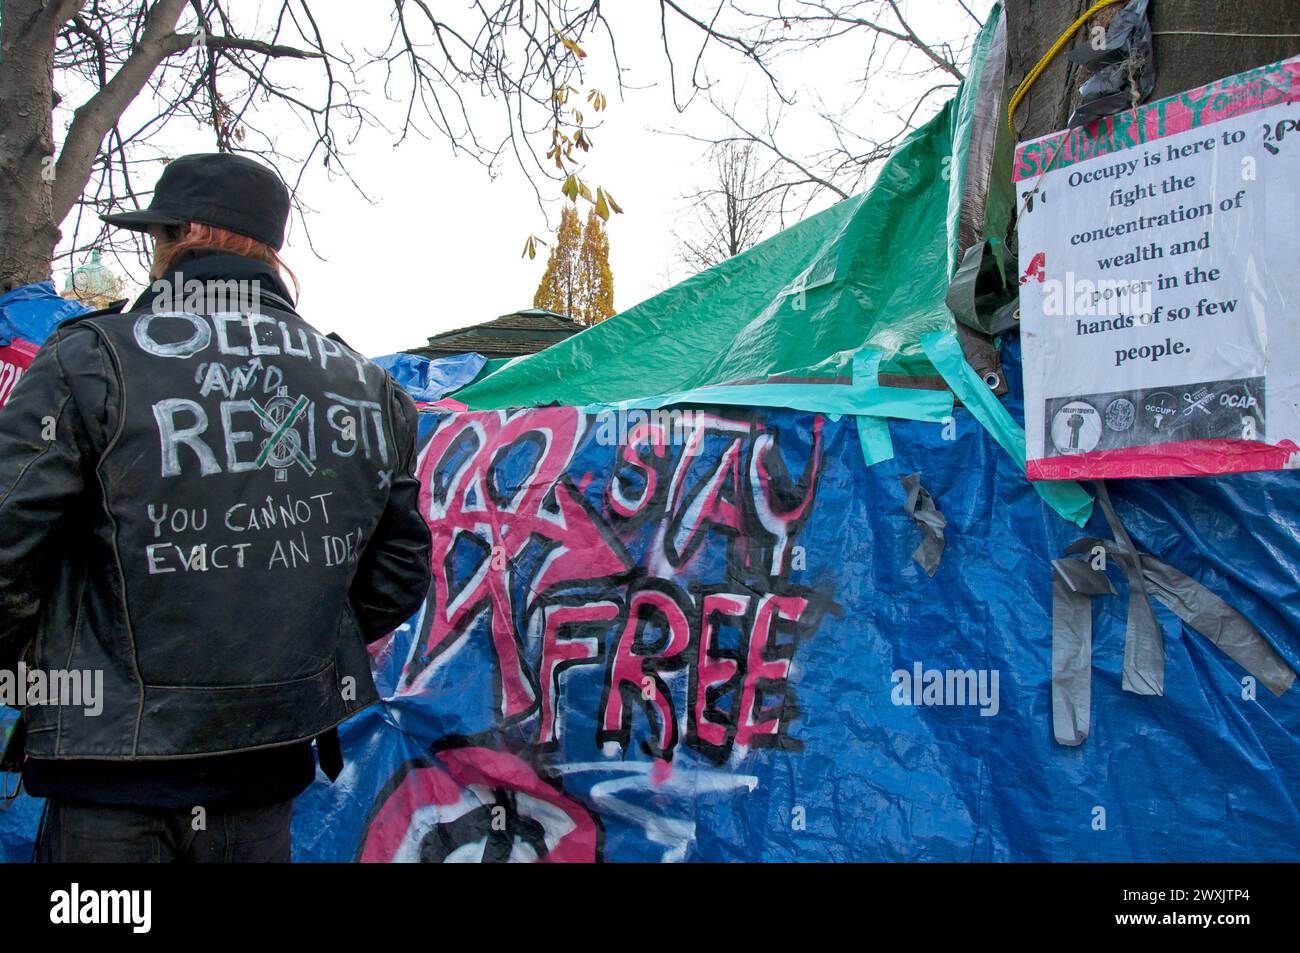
(216, 188)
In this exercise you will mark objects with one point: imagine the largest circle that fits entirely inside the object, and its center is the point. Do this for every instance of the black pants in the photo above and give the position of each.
(76, 832)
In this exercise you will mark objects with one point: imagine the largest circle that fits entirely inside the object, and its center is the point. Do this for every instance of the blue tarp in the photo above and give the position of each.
(31, 312)
(751, 760)
(427, 379)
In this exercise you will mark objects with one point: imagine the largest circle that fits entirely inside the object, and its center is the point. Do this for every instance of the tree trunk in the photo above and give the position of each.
(1187, 55)
(28, 232)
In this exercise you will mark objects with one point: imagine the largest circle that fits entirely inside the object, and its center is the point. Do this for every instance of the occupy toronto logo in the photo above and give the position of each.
(947, 687)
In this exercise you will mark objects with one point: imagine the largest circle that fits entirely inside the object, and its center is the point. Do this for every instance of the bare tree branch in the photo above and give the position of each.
(498, 80)
(92, 121)
(733, 212)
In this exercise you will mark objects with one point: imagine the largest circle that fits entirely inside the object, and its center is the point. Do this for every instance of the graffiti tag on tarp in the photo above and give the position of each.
(556, 569)
(470, 802)
(509, 520)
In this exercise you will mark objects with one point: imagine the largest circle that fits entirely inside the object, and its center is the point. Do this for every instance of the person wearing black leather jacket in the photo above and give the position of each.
(209, 506)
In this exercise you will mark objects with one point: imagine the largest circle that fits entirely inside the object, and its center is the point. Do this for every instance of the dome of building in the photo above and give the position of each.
(92, 283)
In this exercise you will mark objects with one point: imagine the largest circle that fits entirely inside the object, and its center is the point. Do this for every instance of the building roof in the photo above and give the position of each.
(520, 332)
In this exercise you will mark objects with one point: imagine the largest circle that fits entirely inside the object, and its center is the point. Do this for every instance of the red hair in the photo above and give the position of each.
(211, 238)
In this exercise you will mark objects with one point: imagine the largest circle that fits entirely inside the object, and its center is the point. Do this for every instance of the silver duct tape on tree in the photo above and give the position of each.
(1074, 584)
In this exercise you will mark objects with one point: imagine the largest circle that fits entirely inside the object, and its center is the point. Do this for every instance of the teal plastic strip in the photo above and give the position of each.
(905, 403)
(944, 351)
(877, 446)
(865, 396)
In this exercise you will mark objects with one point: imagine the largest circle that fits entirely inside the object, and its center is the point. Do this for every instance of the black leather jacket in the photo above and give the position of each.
(215, 508)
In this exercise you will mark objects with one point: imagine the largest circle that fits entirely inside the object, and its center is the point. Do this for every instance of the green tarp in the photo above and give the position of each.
(869, 272)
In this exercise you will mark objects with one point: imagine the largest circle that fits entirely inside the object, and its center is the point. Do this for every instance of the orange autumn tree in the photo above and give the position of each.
(578, 280)
(595, 279)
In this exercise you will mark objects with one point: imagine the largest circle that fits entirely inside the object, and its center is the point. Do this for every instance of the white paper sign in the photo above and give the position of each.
(1160, 286)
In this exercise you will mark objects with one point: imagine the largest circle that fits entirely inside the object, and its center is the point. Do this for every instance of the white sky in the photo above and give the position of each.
(439, 246)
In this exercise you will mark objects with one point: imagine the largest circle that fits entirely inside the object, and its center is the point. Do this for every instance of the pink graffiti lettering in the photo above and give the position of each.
(559, 654)
(462, 501)
(636, 674)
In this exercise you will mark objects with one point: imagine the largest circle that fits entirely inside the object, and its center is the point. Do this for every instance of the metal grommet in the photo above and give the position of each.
(1016, 316)
(992, 379)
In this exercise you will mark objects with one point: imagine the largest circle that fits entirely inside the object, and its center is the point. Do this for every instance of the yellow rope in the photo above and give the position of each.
(1050, 55)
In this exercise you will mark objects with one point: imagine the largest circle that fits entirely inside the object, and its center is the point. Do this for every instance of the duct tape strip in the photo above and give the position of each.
(1217, 621)
(1144, 646)
(920, 506)
(944, 351)
(1074, 583)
